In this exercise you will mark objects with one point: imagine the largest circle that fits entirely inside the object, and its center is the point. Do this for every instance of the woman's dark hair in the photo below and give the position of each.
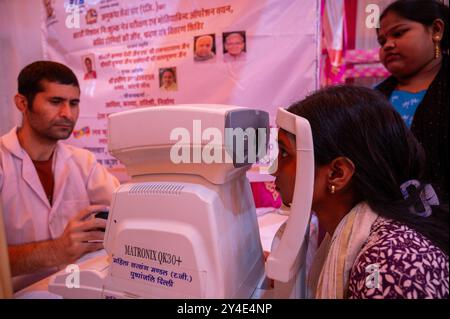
(29, 82)
(422, 11)
(360, 124)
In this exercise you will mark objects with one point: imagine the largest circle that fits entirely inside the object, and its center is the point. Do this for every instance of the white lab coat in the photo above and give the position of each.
(79, 181)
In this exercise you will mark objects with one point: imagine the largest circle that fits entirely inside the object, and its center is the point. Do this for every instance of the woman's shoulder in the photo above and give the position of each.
(400, 237)
(386, 86)
(399, 262)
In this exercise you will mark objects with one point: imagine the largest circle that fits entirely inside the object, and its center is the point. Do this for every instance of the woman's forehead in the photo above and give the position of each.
(392, 20)
(286, 139)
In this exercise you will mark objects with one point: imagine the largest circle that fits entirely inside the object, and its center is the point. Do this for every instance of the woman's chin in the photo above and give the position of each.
(395, 68)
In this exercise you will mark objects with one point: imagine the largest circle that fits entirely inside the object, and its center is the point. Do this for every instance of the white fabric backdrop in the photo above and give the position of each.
(20, 44)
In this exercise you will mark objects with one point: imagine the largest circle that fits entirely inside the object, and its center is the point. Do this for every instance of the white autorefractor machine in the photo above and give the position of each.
(189, 229)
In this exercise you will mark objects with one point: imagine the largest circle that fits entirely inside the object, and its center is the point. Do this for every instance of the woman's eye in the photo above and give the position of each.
(398, 33)
(284, 154)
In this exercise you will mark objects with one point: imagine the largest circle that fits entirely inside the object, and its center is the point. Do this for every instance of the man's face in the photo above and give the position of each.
(203, 46)
(167, 78)
(54, 111)
(234, 44)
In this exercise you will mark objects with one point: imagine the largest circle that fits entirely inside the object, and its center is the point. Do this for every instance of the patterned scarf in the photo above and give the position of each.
(330, 271)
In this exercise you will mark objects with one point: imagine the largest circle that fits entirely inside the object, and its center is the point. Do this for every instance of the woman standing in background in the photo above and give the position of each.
(413, 36)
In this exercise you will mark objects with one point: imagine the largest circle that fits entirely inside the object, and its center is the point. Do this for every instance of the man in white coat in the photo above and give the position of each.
(49, 190)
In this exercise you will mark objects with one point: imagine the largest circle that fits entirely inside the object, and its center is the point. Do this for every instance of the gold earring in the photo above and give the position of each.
(332, 189)
(437, 48)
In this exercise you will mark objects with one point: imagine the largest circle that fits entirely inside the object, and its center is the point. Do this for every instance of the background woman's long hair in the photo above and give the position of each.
(359, 123)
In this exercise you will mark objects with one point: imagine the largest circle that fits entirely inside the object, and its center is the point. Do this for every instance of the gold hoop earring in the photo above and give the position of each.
(437, 48)
(332, 189)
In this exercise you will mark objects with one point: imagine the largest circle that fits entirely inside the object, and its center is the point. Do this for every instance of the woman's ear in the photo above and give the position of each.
(438, 29)
(21, 103)
(341, 171)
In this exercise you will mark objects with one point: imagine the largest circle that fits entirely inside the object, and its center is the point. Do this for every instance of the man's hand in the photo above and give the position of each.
(71, 245)
(74, 242)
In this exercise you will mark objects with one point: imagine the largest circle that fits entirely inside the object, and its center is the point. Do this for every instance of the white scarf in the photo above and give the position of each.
(329, 275)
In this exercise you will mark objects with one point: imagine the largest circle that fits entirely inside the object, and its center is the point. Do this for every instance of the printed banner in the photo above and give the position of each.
(142, 53)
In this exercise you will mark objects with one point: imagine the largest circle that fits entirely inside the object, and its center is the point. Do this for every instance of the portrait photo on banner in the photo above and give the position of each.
(168, 79)
(204, 47)
(88, 63)
(234, 46)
